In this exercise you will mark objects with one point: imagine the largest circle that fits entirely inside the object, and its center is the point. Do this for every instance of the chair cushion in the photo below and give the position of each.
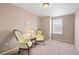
(39, 38)
(39, 32)
(23, 45)
(27, 35)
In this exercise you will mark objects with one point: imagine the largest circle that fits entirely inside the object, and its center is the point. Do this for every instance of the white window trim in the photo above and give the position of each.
(56, 32)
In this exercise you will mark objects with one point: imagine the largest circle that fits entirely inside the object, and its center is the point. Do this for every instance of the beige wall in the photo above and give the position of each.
(77, 30)
(68, 29)
(12, 18)
(46, 26)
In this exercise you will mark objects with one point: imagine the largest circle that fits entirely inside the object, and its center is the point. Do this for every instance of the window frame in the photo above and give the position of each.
(53, 30)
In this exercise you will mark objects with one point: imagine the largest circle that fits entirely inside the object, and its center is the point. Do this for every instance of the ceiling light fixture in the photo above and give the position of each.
(45, 5)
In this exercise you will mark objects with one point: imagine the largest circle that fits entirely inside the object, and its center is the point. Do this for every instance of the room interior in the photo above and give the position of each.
(51, 28)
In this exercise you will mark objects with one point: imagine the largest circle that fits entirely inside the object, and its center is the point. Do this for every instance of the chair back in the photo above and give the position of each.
(39, 32)
(39, 35)
(18, 34)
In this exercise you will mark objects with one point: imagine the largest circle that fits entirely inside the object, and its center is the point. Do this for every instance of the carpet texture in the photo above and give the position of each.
(53, 47)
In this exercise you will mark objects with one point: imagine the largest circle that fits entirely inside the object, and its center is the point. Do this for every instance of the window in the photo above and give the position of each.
(57, 25)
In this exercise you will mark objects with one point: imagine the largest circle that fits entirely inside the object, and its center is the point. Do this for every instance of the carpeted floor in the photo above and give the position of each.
(53, 47)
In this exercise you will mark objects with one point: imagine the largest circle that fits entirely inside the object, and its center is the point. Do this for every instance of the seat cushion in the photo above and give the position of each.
(23, 45)
(39, 38)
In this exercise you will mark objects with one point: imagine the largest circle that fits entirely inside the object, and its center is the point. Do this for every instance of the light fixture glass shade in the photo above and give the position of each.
(45, 5)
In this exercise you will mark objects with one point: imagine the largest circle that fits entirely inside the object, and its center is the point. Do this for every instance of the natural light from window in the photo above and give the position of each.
(57, 25)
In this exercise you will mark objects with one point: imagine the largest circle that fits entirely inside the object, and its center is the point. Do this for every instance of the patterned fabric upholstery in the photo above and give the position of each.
(22, 41)
(39, 35)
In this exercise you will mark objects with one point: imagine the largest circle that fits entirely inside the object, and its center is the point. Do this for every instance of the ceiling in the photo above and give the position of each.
(55, 9)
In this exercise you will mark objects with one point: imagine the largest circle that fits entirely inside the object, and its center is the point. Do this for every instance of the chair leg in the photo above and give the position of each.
(19, 51)
(28, 51)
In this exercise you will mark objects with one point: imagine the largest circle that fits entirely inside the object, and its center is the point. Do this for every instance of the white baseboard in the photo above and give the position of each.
(65, 41)
(10, 51)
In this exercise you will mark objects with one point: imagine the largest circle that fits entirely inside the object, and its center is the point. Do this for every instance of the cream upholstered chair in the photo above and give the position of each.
(40, 36)
(24, 43)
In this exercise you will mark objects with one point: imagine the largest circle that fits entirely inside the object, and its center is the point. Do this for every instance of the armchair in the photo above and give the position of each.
(24, 44)
(40, 36)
